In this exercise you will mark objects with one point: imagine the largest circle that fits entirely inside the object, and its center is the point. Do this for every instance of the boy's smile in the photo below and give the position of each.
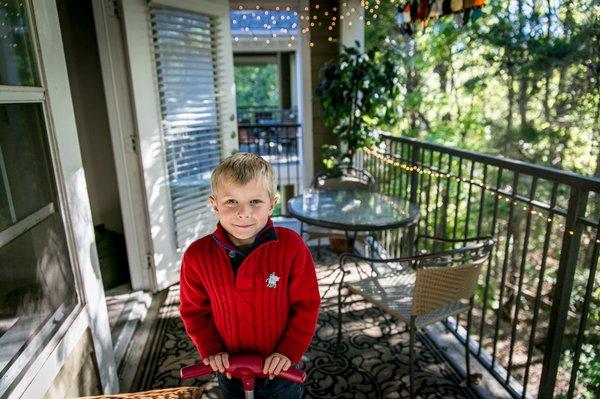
(243, 209)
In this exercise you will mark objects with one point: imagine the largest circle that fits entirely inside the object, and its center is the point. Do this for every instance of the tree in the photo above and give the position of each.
(358, 95)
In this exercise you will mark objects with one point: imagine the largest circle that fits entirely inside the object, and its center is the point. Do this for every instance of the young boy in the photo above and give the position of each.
(249, 287)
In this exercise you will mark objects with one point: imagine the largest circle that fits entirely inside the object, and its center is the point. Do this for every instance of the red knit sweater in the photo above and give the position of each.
(252, 311)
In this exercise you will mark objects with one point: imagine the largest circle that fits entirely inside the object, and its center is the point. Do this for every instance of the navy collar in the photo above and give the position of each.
(266, 234)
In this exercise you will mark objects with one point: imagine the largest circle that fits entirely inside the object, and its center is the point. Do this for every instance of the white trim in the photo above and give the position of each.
(20, 94)
(214, 8)
(259, 46)
(304, 90)
(256, 59)
(123, 138)
(74, 202)
(226, 85)
(147, 121)
(40, 375)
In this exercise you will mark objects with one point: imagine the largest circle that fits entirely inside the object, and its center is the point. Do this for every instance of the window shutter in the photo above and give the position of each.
(185, 55)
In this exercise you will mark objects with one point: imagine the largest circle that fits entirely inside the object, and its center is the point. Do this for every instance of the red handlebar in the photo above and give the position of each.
(245, 367)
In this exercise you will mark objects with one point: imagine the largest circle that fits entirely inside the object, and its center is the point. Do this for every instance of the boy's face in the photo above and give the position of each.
(243, 209)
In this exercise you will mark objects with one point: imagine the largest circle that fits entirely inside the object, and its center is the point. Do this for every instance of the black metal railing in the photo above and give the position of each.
(537, 291)
(266, 115)
(279, 144)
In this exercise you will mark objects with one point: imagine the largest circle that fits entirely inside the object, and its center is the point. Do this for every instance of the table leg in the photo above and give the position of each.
(410, 239)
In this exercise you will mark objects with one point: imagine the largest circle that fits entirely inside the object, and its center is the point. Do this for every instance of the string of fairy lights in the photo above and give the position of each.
(380, 154)
(263, 26)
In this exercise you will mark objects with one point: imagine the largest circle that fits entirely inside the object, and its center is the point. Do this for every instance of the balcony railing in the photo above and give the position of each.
(536, 292)
(266, 115)
(278, 143)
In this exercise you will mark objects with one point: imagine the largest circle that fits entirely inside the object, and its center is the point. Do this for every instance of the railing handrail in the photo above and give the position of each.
(543, 172)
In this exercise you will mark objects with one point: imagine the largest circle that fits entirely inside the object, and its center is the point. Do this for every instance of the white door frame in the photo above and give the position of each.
(111, 48)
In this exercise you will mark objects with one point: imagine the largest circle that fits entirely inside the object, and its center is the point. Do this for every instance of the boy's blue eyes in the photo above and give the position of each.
(253, 202)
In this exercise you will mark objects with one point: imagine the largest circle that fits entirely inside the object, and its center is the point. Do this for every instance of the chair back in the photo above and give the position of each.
(448, 277)
(344, 178)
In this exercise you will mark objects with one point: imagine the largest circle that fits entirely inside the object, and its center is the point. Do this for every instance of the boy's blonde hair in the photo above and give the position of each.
(241, 168)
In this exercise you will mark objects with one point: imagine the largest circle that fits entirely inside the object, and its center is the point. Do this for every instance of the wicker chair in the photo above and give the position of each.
(340, 178)
(420, 289)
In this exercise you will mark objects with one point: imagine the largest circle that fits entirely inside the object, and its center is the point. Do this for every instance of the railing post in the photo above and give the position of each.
(414, 184)
(562, 293)
(414, 177)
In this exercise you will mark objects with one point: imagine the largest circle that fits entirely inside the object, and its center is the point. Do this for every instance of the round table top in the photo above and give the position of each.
(353, 210)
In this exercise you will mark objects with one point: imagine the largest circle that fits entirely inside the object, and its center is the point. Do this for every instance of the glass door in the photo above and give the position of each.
(37, 284)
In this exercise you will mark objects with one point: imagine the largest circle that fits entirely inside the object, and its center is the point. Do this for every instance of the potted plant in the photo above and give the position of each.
(358, 94)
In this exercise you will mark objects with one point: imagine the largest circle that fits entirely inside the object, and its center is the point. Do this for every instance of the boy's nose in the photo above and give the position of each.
(244, 211)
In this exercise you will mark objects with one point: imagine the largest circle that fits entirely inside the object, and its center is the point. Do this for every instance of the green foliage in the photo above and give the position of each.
(589, 371)
(358, 95)
(256, 86)
(521, 81)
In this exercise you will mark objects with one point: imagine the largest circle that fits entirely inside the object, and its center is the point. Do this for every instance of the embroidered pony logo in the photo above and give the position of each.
(272, 280)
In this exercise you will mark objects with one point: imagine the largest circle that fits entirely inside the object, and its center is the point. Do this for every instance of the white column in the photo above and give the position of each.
(304, 90)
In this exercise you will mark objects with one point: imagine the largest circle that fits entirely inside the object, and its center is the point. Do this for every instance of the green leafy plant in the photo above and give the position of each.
(358, 95)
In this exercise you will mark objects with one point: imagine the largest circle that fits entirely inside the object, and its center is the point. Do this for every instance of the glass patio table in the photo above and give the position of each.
(353, 211)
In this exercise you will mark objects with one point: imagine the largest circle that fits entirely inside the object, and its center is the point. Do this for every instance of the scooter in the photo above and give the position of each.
(246, 367)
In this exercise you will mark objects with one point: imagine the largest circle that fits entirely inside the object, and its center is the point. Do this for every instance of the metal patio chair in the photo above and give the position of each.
(421, 289)
(339, 178)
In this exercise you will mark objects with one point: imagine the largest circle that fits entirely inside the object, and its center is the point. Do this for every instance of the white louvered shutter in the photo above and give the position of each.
(185, 56)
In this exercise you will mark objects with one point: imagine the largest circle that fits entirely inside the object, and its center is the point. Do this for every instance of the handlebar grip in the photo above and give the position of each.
(195, 370)
(294, 375)
(242, 366)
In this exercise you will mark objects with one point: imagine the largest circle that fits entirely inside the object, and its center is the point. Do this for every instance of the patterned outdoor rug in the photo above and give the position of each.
(372, 362)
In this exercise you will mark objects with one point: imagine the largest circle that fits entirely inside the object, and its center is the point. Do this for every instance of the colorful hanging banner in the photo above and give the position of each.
(421, 11)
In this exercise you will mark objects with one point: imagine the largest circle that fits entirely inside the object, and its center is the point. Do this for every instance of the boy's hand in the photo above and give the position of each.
(218, 362)
(275, 364)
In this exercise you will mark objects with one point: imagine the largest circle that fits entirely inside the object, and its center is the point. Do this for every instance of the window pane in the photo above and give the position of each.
(5, 217)
(17, 65)
(36, 282)
(25, 165)
(37, 288)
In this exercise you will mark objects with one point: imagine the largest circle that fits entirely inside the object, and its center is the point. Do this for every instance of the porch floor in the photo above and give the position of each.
(372, 363)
